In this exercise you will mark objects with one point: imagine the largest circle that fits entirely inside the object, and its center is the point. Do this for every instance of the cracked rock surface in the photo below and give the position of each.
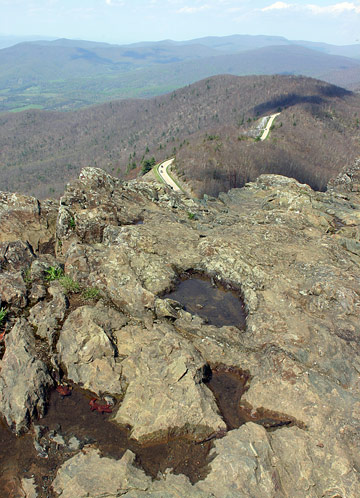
(294, 255)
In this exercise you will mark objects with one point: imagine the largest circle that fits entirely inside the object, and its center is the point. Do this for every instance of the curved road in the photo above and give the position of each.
(162, 170)
(268, 126)
(163, 167)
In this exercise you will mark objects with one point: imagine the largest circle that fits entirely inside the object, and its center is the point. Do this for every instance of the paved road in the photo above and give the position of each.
(162, 169)
(268, 126)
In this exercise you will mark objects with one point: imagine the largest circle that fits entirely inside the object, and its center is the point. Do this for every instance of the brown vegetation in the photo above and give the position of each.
(205, 125)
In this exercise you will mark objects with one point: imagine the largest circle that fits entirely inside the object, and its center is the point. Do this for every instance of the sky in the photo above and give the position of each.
(128, 21)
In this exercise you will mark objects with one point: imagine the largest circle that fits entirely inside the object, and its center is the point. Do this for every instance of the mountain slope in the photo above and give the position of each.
(205, 125)
(68, 74)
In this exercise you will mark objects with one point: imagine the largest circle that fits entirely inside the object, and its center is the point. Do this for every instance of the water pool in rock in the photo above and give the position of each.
(215, 303)
(70, 417)
(228, 384)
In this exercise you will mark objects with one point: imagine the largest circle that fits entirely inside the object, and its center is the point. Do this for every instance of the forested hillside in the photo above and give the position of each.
(205, 125)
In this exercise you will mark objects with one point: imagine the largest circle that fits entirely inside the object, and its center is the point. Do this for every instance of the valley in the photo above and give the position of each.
(70, 74)
(206, 126)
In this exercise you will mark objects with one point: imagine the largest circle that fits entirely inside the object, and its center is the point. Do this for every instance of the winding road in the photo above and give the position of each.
(268, 126)
(162, 170)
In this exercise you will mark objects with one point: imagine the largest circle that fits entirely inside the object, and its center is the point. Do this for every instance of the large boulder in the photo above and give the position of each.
(24, 379)
(164, 394)
(88, 474)
(27, 219)
(47, 316)
(87, 350)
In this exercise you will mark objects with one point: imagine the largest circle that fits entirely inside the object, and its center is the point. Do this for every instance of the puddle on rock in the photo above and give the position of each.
(70, 417)
(214, 302)
(228, 385)
(16, 457)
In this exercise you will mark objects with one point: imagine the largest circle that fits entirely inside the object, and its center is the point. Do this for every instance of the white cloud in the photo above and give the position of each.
(277, 6)
(335, 9)
(193, 10)
(112, 3)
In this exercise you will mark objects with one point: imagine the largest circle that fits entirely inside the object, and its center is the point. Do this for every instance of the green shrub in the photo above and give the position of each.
(148, 164)
(54, 273)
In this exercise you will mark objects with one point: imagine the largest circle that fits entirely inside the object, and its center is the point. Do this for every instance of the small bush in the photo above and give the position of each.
(54, 273)
(191, 216)
(148, 164)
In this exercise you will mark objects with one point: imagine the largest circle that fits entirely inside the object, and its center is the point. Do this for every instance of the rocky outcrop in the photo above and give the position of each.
(248, 462)
(47, 316)
(164, 392)
(13, 289)
(155, 372)
(27, 219)
(292, 253)
(24, 379)
(87, 350)
(87, 474)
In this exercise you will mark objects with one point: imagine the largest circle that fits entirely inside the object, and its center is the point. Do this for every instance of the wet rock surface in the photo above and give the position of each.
(277, 398)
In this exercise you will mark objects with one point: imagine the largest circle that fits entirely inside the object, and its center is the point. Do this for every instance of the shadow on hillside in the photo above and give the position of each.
(292, 99)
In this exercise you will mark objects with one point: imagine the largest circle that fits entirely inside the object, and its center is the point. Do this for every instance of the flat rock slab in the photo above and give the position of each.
(87, 474)
(164, 394)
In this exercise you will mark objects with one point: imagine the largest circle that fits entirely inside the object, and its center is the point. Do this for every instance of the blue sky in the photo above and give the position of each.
(126, 21)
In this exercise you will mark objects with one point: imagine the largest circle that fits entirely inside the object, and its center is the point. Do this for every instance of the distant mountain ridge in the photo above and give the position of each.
(68, 74)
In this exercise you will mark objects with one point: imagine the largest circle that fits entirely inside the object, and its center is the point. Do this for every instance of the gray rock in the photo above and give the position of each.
(13, 289)
(74, 444)
(58, 439)
(164, 391)
(243, 466)
(46, 316)
(38, 291)
(27, 219)
(40, 265)
(87, 474)
(87, 351)
(40, 450)
(167, 308)
(29, 488)
(312, 468)
(15, 256)
(24, 380)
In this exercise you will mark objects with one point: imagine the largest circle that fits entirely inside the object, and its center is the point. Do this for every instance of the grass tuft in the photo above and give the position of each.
(54, 273)
(91, 293)
(3, 313)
